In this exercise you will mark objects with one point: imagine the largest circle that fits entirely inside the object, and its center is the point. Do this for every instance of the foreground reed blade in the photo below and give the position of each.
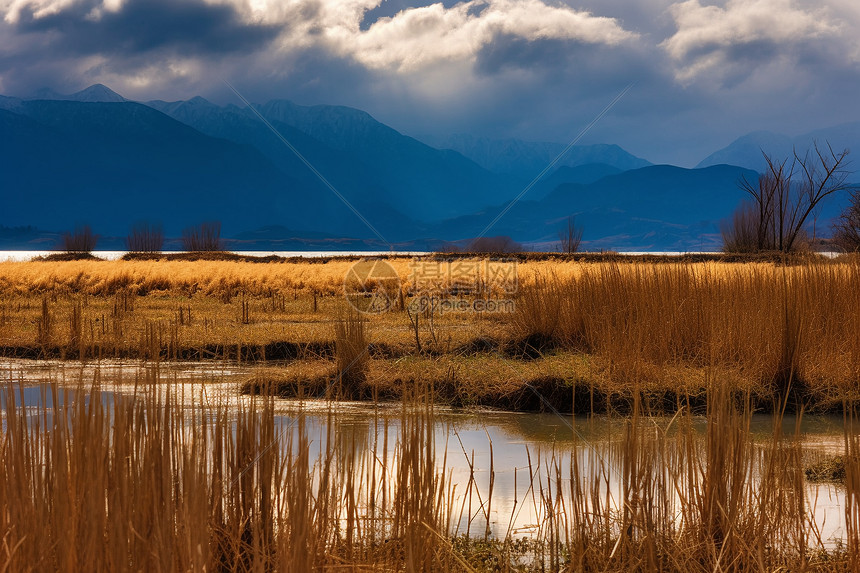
(157, 480)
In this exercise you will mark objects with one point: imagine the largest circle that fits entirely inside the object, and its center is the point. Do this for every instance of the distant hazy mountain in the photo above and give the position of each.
(525, 159)
(746, 151)
(94, 93)
(94, 157)
(588, 173)
(110, 164)
(356, 153)
(660, 207)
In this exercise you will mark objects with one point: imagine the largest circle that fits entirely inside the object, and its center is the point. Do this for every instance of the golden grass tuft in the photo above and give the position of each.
(351, 354)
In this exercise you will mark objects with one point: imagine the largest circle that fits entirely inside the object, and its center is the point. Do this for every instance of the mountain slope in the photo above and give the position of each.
(96, 93)
(661, 207)
(111, 164)
(359, 155)
(525, 159)
(746, 151)
(588, 173)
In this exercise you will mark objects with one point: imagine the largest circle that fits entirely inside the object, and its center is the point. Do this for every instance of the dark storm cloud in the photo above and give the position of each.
(140, 27)
(704, 73)
(314, 76)
(569, 58)
(509, 52)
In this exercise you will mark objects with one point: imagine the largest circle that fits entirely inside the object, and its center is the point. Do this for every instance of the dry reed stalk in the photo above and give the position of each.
(149, 482)
(351, 354)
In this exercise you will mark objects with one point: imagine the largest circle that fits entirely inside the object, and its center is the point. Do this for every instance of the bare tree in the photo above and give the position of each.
(81, 240)
(570, 237)
(202, 237)
(786, 195)
(145, 238)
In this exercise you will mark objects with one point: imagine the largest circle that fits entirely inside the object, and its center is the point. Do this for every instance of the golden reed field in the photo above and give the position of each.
(152, 479)
(605, 329)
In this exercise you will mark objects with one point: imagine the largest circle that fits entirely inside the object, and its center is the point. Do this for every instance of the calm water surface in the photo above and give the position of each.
(471, 446)
(19, 256)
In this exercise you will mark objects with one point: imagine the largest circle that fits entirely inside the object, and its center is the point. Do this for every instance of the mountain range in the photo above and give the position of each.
(95, 157)
(748, 150)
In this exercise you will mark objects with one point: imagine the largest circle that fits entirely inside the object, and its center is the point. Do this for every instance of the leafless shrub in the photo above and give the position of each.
(501, 244)
(740, 234)
(81, 240)
(145, 238)
(570, 236)
(847, 229)
(202, 237)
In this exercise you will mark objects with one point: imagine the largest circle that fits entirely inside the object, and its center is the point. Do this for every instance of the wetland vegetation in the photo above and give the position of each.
(112, 460)
(587, 335)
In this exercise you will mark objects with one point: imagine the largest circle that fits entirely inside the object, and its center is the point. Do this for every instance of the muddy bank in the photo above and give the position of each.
(542, 395)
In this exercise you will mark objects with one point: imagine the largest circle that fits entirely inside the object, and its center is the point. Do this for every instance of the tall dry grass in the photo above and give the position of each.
(776, 330)
(122, 483)
(352, 356)
(773, 328)
(149, 482)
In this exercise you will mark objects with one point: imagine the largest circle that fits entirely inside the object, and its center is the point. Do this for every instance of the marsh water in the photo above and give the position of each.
(21, 256)
(496, 464)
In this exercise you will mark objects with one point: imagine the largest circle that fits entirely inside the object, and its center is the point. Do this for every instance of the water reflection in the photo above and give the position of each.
(498, 467)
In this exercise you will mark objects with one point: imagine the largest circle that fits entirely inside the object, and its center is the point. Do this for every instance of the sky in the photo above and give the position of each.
(702, 73)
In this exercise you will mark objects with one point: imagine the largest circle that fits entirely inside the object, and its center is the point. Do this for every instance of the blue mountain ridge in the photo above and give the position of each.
(95, 157)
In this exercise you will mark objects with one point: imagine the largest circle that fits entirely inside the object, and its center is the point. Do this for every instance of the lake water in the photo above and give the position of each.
(20, 256)
(514, 453)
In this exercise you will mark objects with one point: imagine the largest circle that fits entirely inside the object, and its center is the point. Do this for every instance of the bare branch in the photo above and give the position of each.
(786, 196)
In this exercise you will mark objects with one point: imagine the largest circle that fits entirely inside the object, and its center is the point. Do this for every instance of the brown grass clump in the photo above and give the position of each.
(301, 379)
(351, 354)
(828, 469)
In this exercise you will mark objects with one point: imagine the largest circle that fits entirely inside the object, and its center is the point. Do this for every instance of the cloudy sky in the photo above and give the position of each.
(704, 72)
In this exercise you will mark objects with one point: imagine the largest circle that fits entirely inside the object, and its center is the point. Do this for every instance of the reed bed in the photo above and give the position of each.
(206, 277)
(146, 481)
(776, 330)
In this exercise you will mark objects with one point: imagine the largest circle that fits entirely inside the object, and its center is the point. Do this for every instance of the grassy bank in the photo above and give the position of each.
(620, 329)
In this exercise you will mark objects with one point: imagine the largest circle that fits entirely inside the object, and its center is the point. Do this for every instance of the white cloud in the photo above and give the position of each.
(412, 40)
(708, 37)
(39, 8)
(422, 37)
